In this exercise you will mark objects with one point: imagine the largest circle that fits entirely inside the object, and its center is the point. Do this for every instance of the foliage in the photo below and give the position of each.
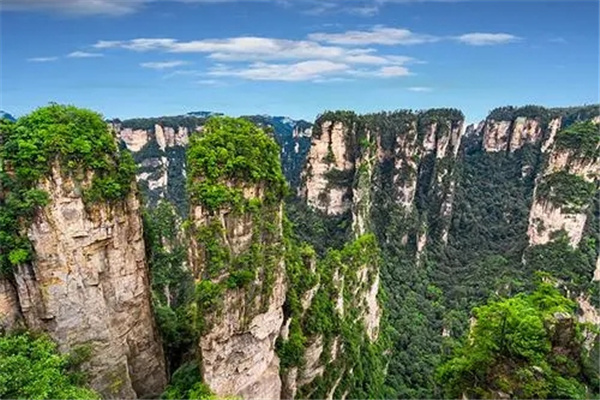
(232, 151)
(171, 282)
(583, 138)
(527, 346)
(566, 190)
(186, 383)
(510, 113)
(80, 142)
(148, 124)
(294, 144)
(32, 368)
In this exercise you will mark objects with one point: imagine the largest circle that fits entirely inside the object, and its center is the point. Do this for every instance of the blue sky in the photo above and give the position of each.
(128, 58)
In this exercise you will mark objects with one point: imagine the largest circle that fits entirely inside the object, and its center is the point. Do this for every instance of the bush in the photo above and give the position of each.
(32, 368)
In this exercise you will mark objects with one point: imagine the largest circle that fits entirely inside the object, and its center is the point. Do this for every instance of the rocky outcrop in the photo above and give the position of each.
(135, 140)
(10, 314)
(349, 152)
(511, 135)
(158, 146)
(88, 287)
(237, 345)
(547, 218)
(330, 153)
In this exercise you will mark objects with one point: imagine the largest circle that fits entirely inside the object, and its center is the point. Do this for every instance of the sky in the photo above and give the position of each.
(298, 58)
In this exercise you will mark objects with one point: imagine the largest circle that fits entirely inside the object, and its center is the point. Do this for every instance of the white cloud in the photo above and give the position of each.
(420, 89)
(92, 7)
(250, 48)
(487, 39)
(208, 82)
(321, 57)
(382, 72)
(377, 35)
(302, 71)
(393, 71)
(163, 64)
(75, 7)
(42, 59)
(142, 44)
(365, 8)
(84, 54)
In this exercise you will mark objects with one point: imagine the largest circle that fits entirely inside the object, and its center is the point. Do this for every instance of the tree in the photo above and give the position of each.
(527, 346)
(32, 368)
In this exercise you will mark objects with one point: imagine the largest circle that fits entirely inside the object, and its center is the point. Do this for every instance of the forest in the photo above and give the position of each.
(421, 303)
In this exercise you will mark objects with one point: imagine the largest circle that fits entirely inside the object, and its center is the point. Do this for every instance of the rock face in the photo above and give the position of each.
(89, 287)
(10, 314)
(238, 345)
(158, 146)
(510, 135)
(547, 218)
(351, 156)
(331, 153)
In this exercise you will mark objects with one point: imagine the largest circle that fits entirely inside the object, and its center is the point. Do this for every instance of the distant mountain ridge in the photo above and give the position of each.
(158, 146)
(4, 114)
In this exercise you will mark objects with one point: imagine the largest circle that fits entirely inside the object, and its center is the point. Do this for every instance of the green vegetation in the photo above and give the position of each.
(510, 113)
(567, 190)
(172, 283)
(78, 141)
(187, 121)
(32, 368)
(186, 383)
(582, 138)
(228, 154)
(527, 346)
(360, 367)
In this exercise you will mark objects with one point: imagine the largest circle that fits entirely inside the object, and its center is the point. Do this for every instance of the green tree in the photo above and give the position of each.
(32, 368)
(527, 346)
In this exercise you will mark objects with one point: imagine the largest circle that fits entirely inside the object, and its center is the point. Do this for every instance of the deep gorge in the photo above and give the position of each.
(340, 259)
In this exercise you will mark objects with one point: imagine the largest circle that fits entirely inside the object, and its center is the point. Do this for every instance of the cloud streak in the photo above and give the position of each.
(42, 59)
(420, 89)
(163, 64)
(84, 54)
(487, 39)
(377, 35)
(252, 48)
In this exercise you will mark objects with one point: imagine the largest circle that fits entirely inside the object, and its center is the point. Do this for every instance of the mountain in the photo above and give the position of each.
(416, 257)
(204, 114)
(158, 146)
(6, 115)
(462, 214)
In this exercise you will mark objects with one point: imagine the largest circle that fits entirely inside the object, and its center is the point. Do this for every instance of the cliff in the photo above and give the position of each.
(158, 146)
(76, 258)
(353, 157)
(236, 255)
(567, 184)
(453, 209)
(332, 344)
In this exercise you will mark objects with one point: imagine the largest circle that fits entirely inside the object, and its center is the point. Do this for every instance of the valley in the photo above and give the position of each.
(203, 256)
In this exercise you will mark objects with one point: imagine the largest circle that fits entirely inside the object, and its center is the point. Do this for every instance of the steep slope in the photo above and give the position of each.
(452, 212)
(271, 319)
(73, 259)
(236, 189)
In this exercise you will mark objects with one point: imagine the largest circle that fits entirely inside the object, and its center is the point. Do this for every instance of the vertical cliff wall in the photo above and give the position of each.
(75, 252)
(567, 184)
(399, 160)
(236, 189)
